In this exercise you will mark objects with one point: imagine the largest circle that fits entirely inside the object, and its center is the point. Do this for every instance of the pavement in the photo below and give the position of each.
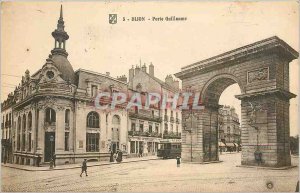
(155, 176)
(78, 165)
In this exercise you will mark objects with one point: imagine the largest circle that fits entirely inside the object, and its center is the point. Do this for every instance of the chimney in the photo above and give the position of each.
(122, 78)
(176, 84)
(107, 73)
(131, 73)
(144, 68)
(137, 69)
(151, 69)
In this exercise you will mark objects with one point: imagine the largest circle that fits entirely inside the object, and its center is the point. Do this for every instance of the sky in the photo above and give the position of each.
(211, 28)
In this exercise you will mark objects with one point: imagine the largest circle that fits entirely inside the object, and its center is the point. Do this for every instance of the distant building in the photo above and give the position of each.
(6, 128)
(229, 129)
(146, 128)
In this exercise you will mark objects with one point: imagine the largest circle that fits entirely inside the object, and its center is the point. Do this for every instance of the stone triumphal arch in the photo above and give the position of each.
(261, 70)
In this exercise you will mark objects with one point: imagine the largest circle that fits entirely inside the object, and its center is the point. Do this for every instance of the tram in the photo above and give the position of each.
(169, 149)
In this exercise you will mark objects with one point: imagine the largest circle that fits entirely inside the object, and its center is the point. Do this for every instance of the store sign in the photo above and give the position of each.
(171, 140)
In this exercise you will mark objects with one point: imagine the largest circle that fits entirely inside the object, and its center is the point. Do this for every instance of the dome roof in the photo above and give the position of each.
(64, 66)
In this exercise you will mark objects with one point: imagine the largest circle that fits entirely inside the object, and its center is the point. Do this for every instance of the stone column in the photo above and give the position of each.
(33, 131)
(268, 132)
(40, 131)
(26, 133)
(103, 134)
(71, 131)
(60, 130)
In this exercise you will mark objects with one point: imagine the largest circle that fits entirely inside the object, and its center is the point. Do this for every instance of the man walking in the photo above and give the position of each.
(84, 168)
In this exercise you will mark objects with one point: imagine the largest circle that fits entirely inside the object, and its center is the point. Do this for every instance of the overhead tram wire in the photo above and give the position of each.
(11, 75)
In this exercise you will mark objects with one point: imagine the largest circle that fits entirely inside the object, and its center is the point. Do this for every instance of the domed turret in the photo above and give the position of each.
(59, 54)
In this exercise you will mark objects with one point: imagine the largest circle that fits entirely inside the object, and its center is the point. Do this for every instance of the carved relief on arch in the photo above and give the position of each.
(258, 75)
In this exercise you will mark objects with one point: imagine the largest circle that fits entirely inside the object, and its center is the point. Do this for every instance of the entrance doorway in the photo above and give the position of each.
(49, 145)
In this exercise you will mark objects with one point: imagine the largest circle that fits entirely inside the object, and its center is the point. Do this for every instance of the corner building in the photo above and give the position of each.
(53, 112)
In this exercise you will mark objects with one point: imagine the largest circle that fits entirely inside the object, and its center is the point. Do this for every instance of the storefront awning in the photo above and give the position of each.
(221, 144)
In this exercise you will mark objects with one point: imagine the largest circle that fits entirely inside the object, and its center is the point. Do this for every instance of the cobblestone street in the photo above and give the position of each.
(154, 175)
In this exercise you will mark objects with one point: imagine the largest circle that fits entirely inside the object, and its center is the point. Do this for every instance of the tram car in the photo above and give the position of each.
(169, 150)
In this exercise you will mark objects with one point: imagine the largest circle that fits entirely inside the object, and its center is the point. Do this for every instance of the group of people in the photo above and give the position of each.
(118, 156)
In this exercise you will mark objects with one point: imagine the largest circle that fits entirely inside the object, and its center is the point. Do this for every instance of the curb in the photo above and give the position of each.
(267, 168)
(74, 167)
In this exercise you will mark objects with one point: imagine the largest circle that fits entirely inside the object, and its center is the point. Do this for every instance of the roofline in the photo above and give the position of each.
(99, 74)
(248, 48)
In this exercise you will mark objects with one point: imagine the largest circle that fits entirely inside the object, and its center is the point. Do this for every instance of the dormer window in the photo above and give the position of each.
(94, 90)
(139, 87)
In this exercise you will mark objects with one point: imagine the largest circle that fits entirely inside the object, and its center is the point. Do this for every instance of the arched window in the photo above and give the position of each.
(115, 133)
(50, 115)
(93, 120)
(29, 121)
(116, 120)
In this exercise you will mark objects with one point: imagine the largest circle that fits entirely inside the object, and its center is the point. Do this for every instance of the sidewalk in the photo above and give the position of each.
(78, 165)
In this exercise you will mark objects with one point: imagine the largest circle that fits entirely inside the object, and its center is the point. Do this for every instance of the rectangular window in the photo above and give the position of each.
(94, 90)
(141, 127)
(92, 142)
(67, 141)
(132, 126)
(150, 128)
(166, 127)
(156, 128)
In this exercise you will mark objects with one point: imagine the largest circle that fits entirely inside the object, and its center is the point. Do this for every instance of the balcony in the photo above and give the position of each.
(145, 115)
(166, 118)
(144, 134)
(172, 135)
(177, 120)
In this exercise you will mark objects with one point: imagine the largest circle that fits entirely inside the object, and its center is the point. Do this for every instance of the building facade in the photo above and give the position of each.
(54, 111)
(229, 129)
(147, 128)
(7, 129)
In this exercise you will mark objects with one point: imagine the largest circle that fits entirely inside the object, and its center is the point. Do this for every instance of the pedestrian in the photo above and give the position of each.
(5, 159)
(111, 159)
(54, 158)
(84, 167)
(38, 160)
(119, 156)
(141, 152)
(178, 161)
